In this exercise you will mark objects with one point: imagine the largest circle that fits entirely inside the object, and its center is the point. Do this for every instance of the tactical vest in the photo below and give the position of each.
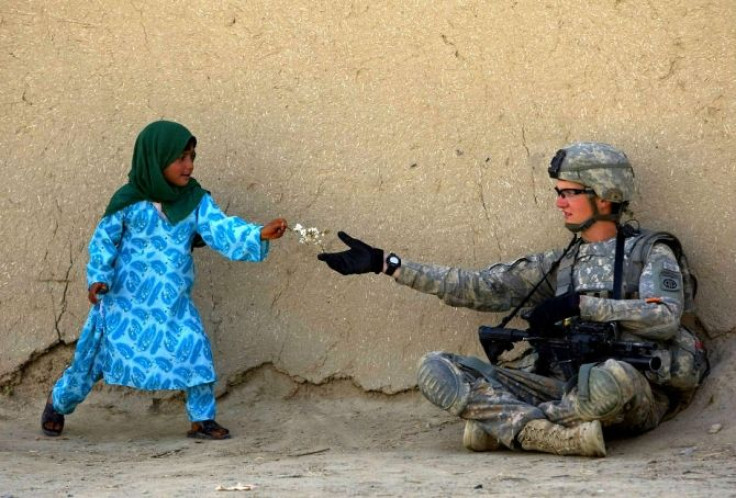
(635, 258)
(684, 362)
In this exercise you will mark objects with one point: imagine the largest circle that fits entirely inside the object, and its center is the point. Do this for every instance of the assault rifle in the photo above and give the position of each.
(571, 346)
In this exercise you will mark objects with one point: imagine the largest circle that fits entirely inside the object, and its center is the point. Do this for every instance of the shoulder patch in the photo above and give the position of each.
(670, 281)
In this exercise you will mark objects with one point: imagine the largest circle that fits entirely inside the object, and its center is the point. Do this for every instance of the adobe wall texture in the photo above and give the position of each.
(421, 127)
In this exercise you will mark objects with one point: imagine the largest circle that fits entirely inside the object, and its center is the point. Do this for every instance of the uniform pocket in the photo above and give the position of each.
(689, 362)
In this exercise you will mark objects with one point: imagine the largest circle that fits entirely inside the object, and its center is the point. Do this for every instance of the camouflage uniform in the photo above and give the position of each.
(515, 406)
(623, 399)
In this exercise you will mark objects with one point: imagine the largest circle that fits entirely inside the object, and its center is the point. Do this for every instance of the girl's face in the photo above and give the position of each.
(179, 172)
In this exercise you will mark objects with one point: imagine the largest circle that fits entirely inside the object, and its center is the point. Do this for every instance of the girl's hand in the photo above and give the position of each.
(274, 229)
(94, 290)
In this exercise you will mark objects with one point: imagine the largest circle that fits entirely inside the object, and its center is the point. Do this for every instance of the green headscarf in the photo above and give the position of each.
(158, 145)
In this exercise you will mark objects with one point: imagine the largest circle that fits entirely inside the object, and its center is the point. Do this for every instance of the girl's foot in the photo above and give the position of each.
(52, 422)
(208, 429)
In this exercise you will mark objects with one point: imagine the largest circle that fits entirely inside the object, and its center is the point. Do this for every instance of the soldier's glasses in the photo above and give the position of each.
(566, 193)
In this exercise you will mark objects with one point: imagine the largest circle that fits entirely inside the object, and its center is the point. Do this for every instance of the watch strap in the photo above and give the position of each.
(393, 262)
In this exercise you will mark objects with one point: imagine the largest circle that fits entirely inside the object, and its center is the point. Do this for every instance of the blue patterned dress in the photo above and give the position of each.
(146, 332)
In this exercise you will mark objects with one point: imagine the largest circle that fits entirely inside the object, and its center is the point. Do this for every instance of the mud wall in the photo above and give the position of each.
(422, 127)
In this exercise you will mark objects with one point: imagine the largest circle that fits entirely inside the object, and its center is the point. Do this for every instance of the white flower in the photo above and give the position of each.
(311, 235)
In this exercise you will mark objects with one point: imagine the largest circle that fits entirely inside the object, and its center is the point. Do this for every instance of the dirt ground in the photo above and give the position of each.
(335, 440)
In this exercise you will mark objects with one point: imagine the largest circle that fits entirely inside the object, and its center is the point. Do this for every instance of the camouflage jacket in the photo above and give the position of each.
(651, 312)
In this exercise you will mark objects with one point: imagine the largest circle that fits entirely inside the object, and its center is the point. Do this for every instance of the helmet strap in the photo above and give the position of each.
(617, 210)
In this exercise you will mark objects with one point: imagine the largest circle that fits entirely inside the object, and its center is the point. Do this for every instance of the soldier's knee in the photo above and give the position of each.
(442, 382)
(429, 356)
(606, 391)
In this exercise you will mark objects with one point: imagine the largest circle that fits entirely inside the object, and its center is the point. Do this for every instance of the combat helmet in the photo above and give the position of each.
(601, 167)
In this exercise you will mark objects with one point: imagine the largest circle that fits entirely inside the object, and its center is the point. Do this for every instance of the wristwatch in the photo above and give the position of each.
(393, 262)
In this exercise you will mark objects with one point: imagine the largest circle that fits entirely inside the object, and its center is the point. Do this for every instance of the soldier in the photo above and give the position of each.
(644, 293)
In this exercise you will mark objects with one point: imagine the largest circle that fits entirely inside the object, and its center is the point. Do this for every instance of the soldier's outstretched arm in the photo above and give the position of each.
(496, 288)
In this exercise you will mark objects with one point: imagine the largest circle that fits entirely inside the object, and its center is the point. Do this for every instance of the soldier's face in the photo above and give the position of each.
(575, 207)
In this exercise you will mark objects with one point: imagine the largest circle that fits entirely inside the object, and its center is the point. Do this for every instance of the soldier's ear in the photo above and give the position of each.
(604, 206)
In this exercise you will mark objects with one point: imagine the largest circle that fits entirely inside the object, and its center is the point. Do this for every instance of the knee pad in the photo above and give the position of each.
(605, 392)
(443, 383)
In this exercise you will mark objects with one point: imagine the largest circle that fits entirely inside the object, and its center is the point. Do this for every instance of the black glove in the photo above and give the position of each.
(551, 311)
(360, 258)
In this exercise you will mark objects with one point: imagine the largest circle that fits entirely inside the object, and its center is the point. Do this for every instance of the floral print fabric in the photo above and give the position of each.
(152, 335)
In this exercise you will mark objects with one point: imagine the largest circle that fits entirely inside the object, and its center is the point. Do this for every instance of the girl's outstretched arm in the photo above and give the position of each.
(233, 237)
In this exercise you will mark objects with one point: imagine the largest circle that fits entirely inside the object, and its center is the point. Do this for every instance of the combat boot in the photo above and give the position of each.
(585, 439)
(476, 439)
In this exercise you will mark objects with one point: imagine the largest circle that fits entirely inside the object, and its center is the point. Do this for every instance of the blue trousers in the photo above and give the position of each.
(86, 369)
(72, 388)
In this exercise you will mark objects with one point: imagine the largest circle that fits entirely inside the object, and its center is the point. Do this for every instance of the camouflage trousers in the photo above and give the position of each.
(502, 400)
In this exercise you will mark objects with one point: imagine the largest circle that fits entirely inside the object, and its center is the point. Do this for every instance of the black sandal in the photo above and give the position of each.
(51, 419)
(208, 429)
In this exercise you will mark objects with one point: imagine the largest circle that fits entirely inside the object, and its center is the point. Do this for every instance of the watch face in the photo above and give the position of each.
(393, 260)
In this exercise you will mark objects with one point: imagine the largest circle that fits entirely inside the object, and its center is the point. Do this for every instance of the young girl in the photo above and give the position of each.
(143, 330)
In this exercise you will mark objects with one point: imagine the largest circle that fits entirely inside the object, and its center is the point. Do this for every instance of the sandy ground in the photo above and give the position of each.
(335, 440)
